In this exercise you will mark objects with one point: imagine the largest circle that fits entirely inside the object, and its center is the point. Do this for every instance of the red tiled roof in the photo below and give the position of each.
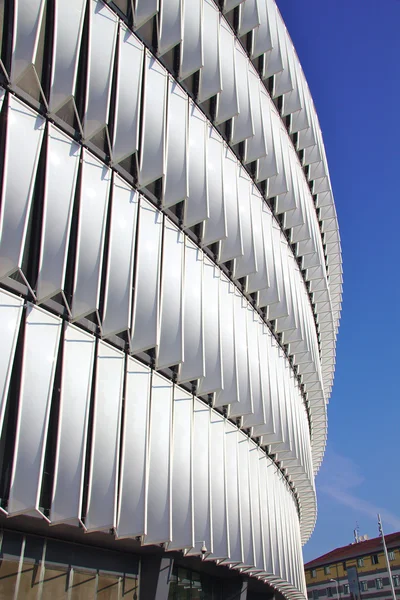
(355, 550)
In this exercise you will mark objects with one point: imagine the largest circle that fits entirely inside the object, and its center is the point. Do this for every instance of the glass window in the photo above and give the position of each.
(396, 580)
(375, 559)
(344, 566)
(315, 594)
(327, 570)
(379, 583)
(346, 589)
(360, 562)
(364, 586)
(313, 572)
(391, 555)
(329, 592)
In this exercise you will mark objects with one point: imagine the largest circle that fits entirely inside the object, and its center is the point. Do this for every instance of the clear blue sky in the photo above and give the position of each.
(350, 52)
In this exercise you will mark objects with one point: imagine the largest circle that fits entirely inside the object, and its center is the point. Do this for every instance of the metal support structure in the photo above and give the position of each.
(386, 557)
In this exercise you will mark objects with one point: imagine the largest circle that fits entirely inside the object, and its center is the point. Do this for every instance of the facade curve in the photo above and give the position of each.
(170, 286)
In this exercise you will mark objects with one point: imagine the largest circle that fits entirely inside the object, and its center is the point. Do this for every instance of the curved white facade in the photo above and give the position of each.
(170, 278)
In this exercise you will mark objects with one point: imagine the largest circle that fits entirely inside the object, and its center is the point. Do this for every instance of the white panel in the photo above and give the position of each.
(95, 188)
(279, 309)
(256, 146)
(254, 328)
(244, 405)
(67, 38)
(196, 209)
(254, 458)
(283, 81)
(159, 475)
(232, 491)
(218, 492)
(10, 311)
(229, 393)
(120, 260)
(246, 264)
(249, 16)
(170, 343)
(212, 382)
(192, 45)
(102, 38)
(193, 342)
(42, 334)
(61, 173)
(262, 35)
(210, 74)
(147, 279)
(170, 24)
(28, 18)
(271, 493)
(76, 385)
(144, 10)
(176, 176)
(215, 226)
(264, 344)
(243, 127)
(131, 509)
(275, 293)
(260, 279)
(18, 182)
(201, 476)
(128, 97)
(269, 166)
(152, 153)
(228, 101)
(266, 528)
(232, 246)
(273, 58)
(103, 478)
(182, 493)
(244, 499)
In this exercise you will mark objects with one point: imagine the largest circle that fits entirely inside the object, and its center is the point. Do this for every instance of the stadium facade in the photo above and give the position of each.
(170, 294)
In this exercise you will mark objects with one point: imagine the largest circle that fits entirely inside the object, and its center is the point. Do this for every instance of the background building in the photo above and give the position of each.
(367, 556)
(170, 293)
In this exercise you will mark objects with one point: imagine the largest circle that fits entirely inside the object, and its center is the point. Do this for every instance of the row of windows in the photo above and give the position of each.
(360, 563)
(377, 583)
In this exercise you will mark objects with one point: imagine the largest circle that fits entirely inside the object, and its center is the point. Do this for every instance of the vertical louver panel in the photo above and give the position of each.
(42, 335)
(61, 175)
(76, 386)
(182, 471)
(128, 95)
(134, 451)
(170, 342)
(121, 259)
(159, 474)
(147, 278)
(152, 154)
(93, 206)
(193, 366)
(18, 182)
(103, 25)
(67, 38)
(10, 311)
(105, 448)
